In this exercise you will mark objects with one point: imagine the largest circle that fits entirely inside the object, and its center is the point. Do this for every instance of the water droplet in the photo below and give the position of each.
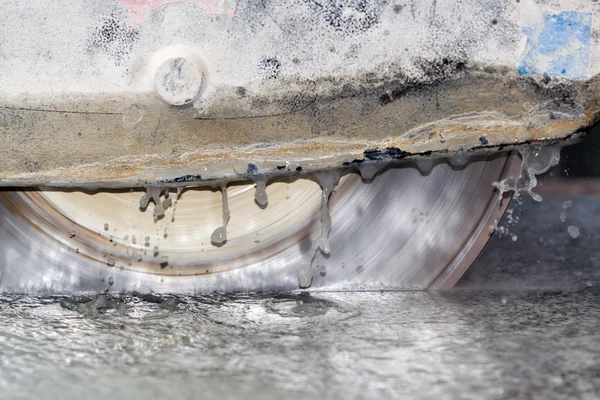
(260, 195)
(219, 236)
(158, 211)
(164, 262)
(111, 281)
(563, 217)
(72, 235)
(573, 231)
(110, 261)
(305, 276)
(106, 227)
(567, 204)
(514, 238)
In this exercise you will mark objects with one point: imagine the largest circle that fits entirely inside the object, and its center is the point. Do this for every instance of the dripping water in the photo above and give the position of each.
(152, 193)
(155, 193)
(219, 236)
(260, 195)
(328, 180)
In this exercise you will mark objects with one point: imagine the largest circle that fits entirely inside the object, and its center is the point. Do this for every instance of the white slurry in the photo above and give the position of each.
(536, 161)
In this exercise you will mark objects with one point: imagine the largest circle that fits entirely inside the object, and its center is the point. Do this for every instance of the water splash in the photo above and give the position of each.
(536, 160)
(219, 236)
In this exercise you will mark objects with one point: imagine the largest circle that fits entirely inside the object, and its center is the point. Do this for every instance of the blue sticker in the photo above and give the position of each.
(559, 45)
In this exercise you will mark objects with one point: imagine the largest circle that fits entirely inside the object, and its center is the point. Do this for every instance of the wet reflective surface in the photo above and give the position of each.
(464, 344)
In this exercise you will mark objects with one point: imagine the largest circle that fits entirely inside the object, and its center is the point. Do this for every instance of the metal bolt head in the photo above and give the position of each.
(178, 81)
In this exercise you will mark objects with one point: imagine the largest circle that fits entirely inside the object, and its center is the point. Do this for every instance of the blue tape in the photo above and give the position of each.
(559, 45)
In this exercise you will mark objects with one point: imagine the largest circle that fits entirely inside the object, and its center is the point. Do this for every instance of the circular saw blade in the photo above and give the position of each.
(402, 230)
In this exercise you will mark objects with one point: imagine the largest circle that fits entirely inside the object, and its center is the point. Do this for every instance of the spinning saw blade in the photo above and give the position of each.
(404, 229)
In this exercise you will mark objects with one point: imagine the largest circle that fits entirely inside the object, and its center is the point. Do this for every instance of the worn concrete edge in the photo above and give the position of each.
(463, 133)
(387, 157)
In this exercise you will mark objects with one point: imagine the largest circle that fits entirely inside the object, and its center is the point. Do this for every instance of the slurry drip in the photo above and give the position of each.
(219, 236)
(260, 195)
(328, 180)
